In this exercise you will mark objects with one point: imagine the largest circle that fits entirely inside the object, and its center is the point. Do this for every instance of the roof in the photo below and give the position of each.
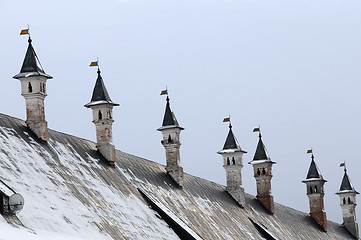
(169, 119)
(100, 93)
(261, 153)
(31, 65)
(346, 185)
(313, 172)
(231, 143)
(71, 191)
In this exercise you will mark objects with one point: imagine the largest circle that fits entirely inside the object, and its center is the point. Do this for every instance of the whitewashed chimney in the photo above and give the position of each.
(348, 204)
(171, 142)
(233, 164)
(33, 88)
(102, 107)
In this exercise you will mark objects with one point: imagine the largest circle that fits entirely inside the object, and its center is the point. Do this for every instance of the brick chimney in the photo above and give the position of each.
(315, 192)
(171, 142)
(33, 88)
(262, 168)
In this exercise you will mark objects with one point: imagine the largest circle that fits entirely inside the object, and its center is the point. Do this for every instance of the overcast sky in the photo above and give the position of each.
(292, 66)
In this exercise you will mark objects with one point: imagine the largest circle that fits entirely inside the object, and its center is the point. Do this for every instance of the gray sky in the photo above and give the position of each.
(291, 66)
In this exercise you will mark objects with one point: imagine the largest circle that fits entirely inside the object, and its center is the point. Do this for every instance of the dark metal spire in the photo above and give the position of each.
(231, 142)
(169, 119)
(313, 171)
(261, 153)
(100, 93)
(346, 184)
(31, 65)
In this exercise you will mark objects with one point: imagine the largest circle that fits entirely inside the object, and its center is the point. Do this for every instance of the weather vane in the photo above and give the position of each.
(228, 119)
(164, 92)
(95, 64)
(25, 31)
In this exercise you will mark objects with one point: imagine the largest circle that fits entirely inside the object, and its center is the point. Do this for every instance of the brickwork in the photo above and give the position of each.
(348, 205)
(34, 91)
(317, 209)
(102, 118)
(233, 166)
(172, 145)
(263, 176)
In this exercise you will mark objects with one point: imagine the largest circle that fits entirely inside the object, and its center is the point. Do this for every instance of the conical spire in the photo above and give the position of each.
(231, 142)
(261, 153)
(169, 119)
(100, 93)
(313, 171)
(346, 184)
(31, 65)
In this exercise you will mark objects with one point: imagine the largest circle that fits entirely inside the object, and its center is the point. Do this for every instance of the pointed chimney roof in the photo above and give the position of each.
(100, 94)
(169, 120)
(346, 185)
(231, 144)
(31, 65)
(261, 153)
(314, 173)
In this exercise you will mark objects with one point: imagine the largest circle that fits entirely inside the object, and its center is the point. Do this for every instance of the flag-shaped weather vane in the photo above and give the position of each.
(343, 164)
(228, 119)
(165, 91)
(25, 31)
(310, 151)
(258, 129)
(95, 64)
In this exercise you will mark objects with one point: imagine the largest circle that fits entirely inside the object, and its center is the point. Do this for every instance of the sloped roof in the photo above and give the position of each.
(313, 171)
(346, 185)
(169, 119)
(100, 93)
(231, 142)
(261, 153)
(69, 189)
(31, 65)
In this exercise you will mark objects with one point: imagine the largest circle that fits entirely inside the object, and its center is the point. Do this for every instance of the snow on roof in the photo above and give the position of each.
(63, 194)
(71, 192)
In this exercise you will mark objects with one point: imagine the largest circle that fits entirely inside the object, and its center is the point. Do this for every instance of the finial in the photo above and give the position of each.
(95, 64)
(258, 130)
(26, 32)
(29, 40)
(312, 157)
(228, 119)
(165, 92)
(98, 71)
(344, 166)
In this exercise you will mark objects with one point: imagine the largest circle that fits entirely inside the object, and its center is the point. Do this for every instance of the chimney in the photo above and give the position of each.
(348, 204)
(262, 168)
(233, 164)
(33, 88)
(102, 107)
(315, 192)
(171, 133)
